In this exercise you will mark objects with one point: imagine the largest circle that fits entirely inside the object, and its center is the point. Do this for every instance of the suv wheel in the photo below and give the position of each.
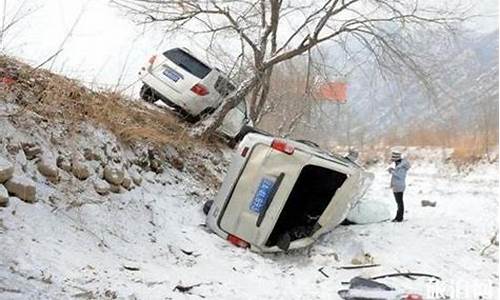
(146, 94)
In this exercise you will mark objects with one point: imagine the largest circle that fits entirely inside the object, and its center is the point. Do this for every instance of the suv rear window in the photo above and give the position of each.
(188, 62)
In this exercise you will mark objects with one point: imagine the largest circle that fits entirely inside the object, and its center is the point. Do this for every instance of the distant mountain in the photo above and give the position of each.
(486, 48)
(463, 82)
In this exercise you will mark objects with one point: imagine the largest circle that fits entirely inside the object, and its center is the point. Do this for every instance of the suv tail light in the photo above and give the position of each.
(282, 146)
(152, 59)
(199, 89)
(237, 241)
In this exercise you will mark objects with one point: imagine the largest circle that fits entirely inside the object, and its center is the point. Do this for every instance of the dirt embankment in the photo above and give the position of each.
(56, 130)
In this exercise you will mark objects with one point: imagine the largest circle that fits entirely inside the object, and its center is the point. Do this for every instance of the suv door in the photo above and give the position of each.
(234, 120)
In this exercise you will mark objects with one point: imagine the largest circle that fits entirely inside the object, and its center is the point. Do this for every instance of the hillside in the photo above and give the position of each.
(462, 83)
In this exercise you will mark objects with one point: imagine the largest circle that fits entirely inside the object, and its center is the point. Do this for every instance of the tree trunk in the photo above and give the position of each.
(208, 125)
(253, 101)
(265, 86)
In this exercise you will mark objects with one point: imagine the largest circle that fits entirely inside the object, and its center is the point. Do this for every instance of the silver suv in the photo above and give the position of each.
(179, 79)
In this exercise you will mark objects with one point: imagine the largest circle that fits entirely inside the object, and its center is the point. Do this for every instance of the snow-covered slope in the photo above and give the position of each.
(142, 244)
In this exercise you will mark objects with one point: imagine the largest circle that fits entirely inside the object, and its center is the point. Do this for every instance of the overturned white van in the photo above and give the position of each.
(282, 194)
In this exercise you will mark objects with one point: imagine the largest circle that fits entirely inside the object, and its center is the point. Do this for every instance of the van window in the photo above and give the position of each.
(242, 106)
(188, 62)
(223, 86)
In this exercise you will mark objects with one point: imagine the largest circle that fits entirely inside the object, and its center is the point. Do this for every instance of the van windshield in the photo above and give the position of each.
(188, 62)
(242, 106)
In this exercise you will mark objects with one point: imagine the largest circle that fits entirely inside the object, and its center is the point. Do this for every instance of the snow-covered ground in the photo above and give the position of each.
(142, 244)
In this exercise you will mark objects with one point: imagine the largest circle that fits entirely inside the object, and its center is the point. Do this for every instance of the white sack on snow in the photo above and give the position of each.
(369, 211)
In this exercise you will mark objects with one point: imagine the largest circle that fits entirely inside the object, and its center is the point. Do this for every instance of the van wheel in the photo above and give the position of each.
(207, 206)
(146, 94)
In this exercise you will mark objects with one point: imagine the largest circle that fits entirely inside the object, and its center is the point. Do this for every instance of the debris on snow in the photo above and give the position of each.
(323, 272)
(131, 268)
(366, 289)
(187, 288)
(493, 242)
(406, 274)
(425, 203)
(358, 266)
(362, 259)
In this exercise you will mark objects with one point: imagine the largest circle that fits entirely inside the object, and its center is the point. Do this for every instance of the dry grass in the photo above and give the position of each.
(468, 147)
(59, 98)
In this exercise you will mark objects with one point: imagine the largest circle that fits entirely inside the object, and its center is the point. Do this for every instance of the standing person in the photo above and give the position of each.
(398, 181)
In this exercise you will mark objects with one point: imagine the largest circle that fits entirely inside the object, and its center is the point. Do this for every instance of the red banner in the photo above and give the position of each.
(333, 91)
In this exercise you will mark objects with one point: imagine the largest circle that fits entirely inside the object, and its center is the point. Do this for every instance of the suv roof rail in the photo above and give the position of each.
(308, 142)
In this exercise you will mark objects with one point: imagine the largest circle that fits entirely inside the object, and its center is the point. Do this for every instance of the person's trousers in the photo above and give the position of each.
(401, 206)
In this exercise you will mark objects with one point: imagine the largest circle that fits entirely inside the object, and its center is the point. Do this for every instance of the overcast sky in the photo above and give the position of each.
(105, 47)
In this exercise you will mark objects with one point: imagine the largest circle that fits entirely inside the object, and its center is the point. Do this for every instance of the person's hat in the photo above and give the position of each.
(395, 155)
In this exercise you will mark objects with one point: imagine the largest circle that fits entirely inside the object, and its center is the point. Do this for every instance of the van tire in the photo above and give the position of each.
(207, 206)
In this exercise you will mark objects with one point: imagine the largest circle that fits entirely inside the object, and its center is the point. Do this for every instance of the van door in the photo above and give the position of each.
(352, 189)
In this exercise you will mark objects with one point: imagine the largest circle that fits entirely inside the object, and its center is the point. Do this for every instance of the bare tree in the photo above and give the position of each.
(289, 97)
(274, 31)
(12, 15)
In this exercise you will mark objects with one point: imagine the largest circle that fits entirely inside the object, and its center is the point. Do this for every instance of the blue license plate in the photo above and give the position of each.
(261, 197)
(170, 73)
